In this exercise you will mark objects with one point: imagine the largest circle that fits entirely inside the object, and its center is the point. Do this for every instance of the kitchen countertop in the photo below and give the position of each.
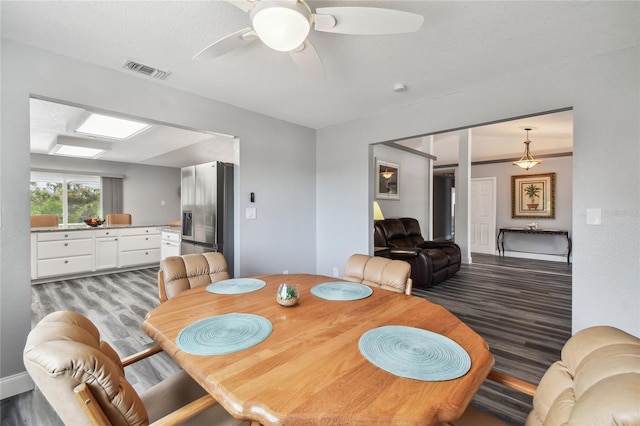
(163, 227)
(174, 229)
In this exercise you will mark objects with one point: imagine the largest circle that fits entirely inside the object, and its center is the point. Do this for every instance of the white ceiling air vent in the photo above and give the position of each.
(146, 70)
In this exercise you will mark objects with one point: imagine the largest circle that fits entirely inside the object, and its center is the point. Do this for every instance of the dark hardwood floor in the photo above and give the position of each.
(521, 307)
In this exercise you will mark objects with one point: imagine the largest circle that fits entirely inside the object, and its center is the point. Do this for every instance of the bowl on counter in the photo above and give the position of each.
(94, 221)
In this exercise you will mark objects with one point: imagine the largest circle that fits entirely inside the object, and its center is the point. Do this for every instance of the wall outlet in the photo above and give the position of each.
(251, 213)
(286, 271)
(162, 203)
(335, 271)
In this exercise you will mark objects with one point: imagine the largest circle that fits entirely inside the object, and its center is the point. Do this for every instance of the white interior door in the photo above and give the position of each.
(483, 215)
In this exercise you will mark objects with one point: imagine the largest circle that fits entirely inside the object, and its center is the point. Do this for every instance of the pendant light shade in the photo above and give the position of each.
(527, 161)
(281, 25)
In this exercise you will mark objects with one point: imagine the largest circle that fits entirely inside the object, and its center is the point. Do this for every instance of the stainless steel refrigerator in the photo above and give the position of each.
(207, 209)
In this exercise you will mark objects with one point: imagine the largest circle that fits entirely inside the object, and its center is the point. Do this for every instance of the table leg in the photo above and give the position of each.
(498, 242)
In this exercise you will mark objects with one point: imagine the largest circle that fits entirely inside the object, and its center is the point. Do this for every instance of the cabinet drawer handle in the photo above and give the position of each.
(146, 252)
(66, 235)
(146, 239)
(66, 244)
(66, 261)
(107, 233)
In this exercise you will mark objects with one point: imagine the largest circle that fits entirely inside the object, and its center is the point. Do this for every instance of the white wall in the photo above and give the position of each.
(277, 162)
(414, 181)
(144, 187)
(604, 92)
(563, 168)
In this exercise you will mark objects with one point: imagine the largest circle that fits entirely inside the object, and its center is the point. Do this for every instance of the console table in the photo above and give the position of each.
(500, 238)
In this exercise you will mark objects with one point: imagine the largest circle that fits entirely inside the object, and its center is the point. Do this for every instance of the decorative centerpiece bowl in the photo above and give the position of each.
(288, 295)
(94, 221)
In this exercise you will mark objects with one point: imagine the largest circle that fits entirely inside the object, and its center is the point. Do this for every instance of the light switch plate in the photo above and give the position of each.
(251, 213)
(594, 216)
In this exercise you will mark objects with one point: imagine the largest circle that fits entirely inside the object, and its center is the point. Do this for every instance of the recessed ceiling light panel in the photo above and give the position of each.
(77, 147)
(105, 126)
(76, 151)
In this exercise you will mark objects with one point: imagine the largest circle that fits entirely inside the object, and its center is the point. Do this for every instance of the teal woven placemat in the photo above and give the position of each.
(341, 290)
(236, 286)
(414, 353)
(224, 334)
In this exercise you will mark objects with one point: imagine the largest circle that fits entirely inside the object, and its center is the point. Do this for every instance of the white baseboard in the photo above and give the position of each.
(16, 384)
(523, 255)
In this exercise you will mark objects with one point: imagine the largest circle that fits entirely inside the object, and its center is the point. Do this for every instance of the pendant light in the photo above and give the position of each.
(527, 161)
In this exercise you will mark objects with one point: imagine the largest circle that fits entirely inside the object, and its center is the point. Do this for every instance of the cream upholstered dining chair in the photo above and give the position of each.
(379, 272)
(596, 382)
(44, 220)
(180, 273)
(119, 219)
(83, 379)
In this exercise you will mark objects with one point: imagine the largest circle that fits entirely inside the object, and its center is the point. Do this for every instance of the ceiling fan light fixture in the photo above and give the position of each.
(281, 25)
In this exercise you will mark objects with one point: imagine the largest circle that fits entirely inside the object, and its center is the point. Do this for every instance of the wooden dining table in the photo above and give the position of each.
(310, 370)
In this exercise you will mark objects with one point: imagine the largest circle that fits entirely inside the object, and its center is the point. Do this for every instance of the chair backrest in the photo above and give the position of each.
(597, 381)
(119, 219)
(44, 220)
(64, 351)
(180, 273)
(394, 275)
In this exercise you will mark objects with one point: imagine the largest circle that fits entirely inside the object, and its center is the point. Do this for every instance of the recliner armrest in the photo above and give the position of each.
(404, 253)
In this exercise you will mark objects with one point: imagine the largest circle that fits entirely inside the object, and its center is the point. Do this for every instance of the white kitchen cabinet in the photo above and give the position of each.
(138, 246)
(106, 249)
(55, 254)
(64, 253)
(170, 244)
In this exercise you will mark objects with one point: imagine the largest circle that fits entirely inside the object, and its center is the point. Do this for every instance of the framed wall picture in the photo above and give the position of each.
(387, 180)
(533, 196)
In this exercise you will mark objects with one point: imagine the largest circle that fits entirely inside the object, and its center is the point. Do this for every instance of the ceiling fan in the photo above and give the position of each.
(284, 25)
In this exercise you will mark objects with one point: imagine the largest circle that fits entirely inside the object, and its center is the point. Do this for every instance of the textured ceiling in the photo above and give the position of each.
(461, 44)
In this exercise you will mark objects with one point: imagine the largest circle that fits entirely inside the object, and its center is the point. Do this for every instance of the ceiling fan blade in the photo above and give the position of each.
(227, 44)
(308, 61)
(366, 20)
(244, 5)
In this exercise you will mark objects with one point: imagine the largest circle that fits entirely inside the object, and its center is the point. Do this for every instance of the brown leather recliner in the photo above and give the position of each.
(431, 261)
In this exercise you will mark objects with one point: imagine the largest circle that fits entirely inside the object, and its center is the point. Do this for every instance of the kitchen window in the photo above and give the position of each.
(72, 197)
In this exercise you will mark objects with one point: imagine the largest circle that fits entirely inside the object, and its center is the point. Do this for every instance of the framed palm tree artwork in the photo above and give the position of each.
(533, 196)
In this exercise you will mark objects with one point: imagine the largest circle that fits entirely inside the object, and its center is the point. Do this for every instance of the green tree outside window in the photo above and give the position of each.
(83, 198)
